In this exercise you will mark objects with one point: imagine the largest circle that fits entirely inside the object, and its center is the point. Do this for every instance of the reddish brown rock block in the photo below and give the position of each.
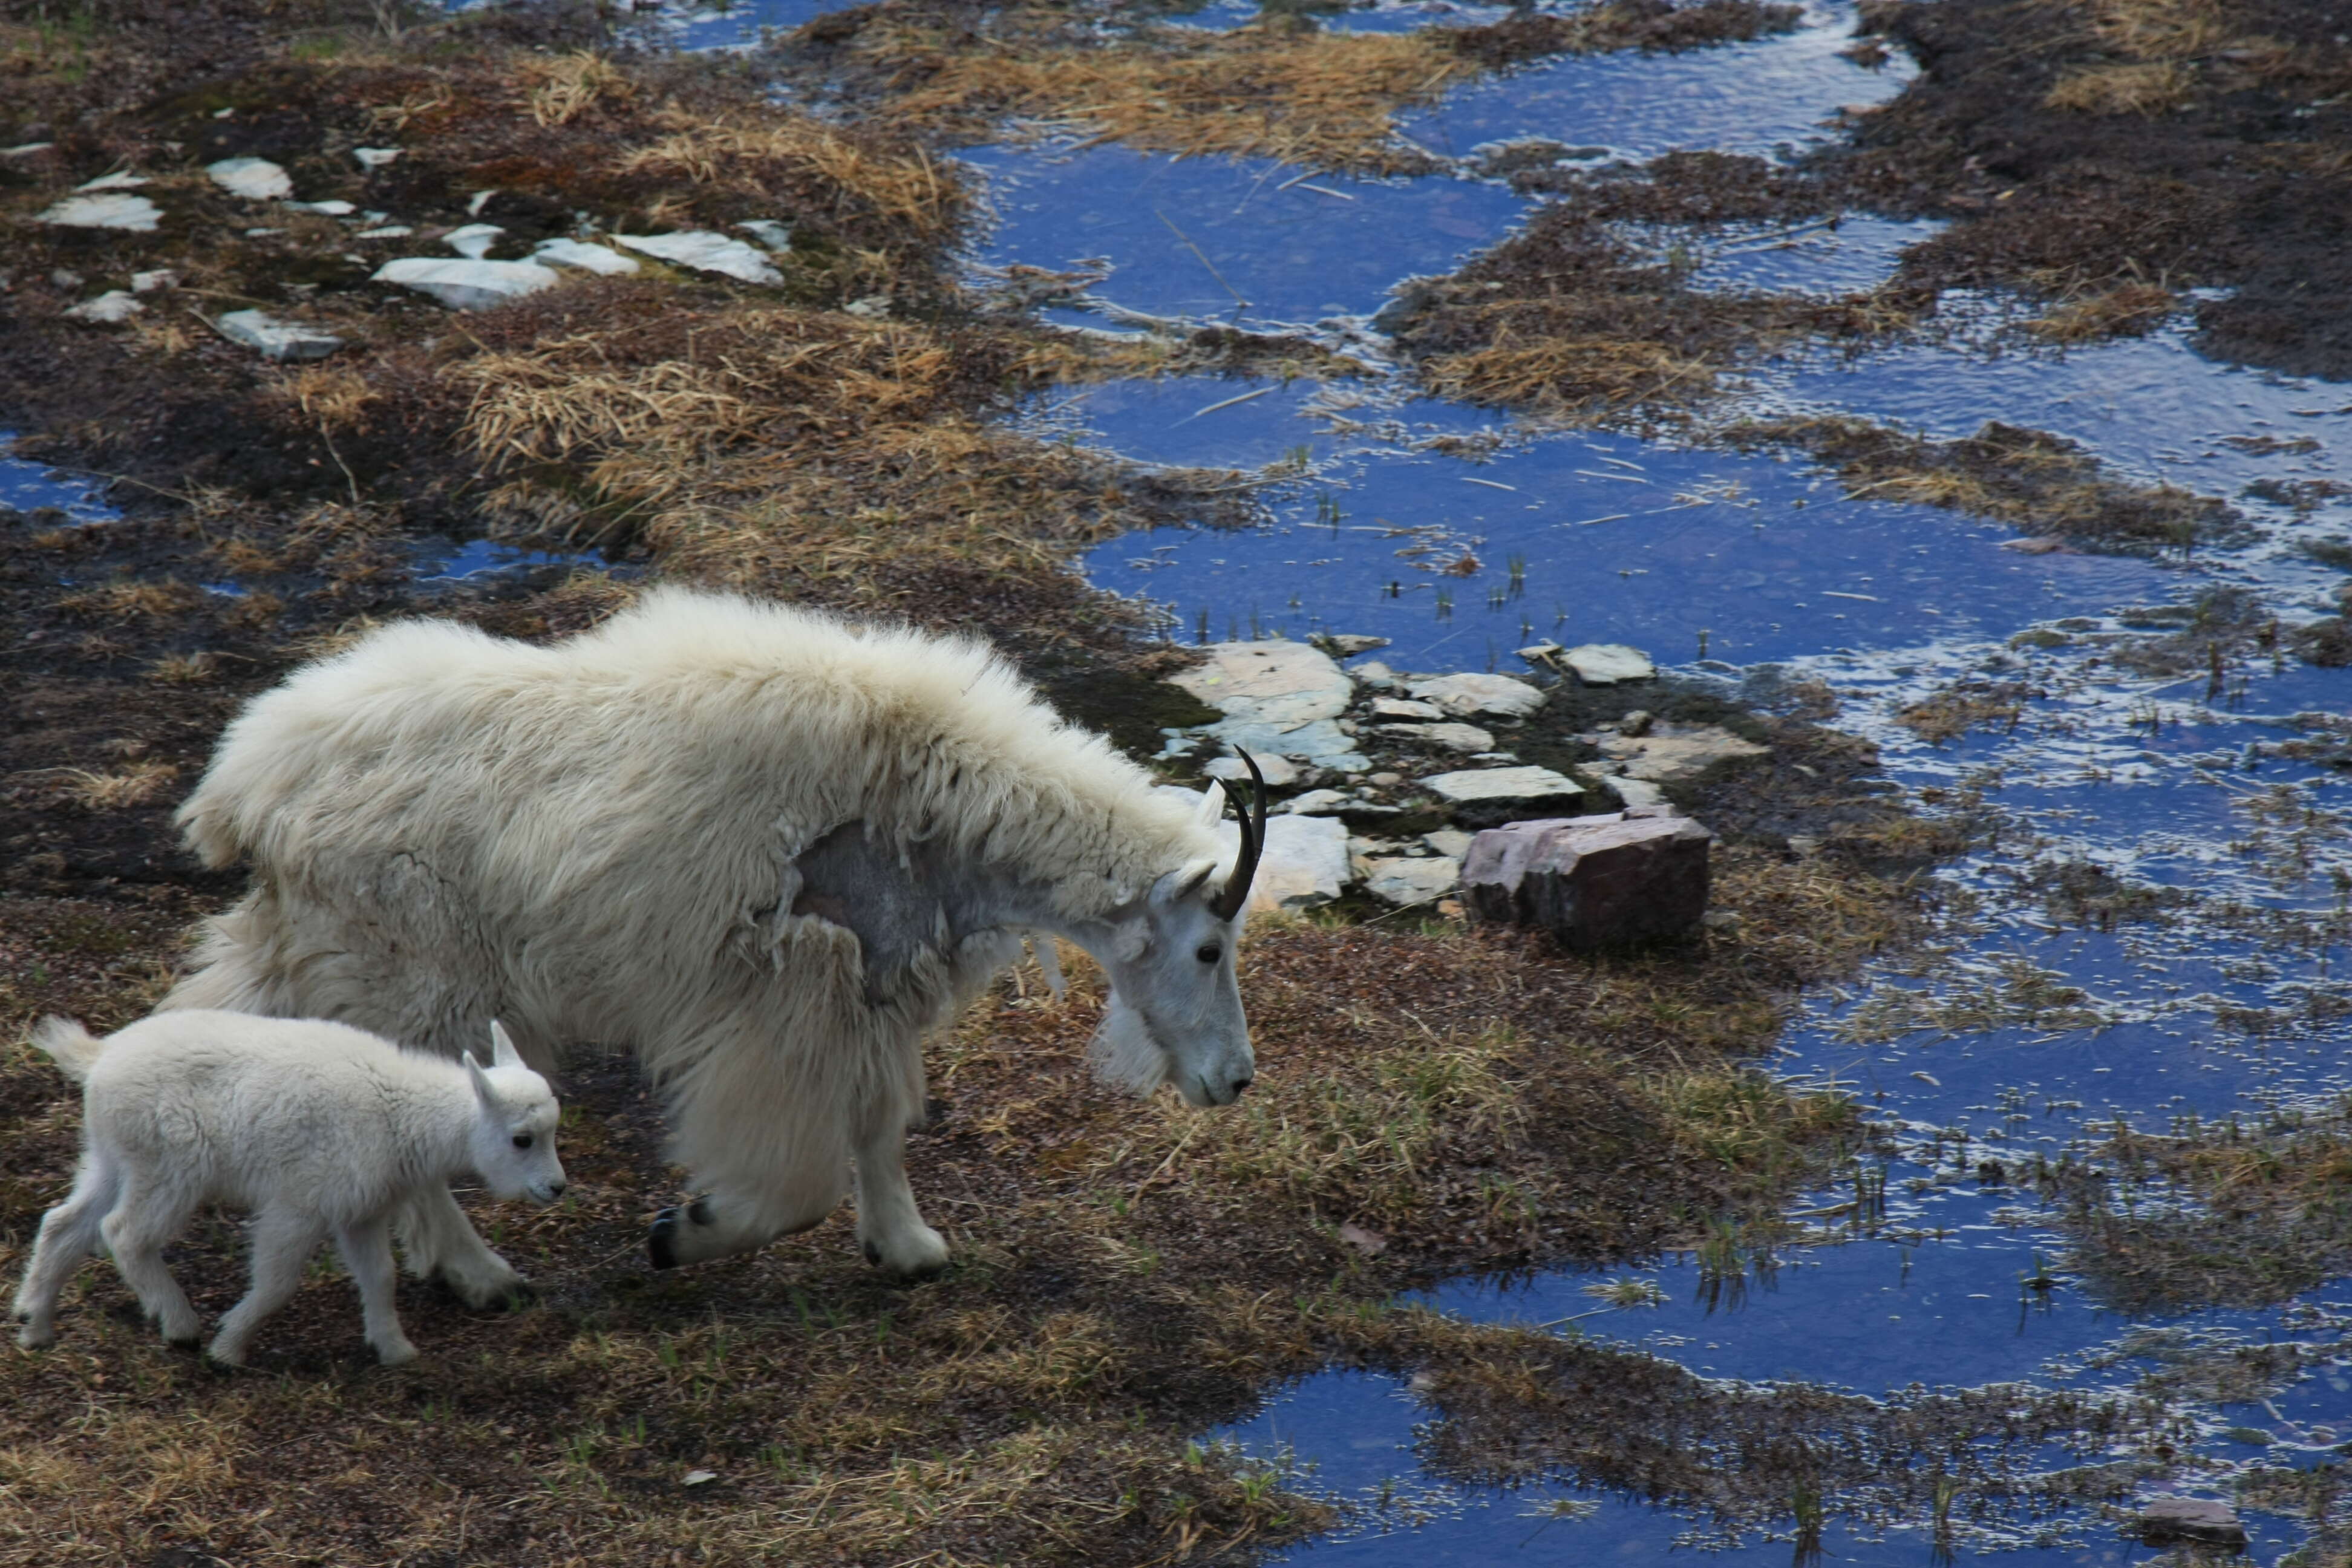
(1592, 881)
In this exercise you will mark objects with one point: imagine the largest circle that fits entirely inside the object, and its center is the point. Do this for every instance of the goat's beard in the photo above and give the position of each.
(1123, 1052)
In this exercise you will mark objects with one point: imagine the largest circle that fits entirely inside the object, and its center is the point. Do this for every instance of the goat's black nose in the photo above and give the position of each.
(1242, 1083)
(556, 1189)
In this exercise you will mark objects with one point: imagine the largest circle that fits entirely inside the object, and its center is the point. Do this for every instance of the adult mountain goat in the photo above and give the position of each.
(766, 848)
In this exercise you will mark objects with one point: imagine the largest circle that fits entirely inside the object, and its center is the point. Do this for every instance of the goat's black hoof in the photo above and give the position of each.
(661, 1241)
(873, 1255)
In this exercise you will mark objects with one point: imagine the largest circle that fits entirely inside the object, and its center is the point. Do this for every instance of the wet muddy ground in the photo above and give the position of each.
(1925, 384)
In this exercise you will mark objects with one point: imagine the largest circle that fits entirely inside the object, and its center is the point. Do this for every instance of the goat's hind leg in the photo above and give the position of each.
(441, 1243)
(890, 1228)
(70, 1232)
(283, 1241)
(148, 1216)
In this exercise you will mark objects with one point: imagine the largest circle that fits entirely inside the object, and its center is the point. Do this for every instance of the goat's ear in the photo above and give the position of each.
(481, 1080)
(503, 1049)
(1211, 808)
(1182, 883)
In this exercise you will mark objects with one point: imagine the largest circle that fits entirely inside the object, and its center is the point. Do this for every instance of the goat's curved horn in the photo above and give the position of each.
(1250, 817)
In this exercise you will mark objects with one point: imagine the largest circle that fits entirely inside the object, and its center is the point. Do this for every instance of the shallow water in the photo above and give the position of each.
(1403, 517)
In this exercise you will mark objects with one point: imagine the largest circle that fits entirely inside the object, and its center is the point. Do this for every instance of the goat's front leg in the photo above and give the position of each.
(890, 1228)
(283, 1240)
(435, 1234)
(367, 1252)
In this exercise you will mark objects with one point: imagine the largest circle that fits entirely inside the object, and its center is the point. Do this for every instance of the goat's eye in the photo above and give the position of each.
(522, 1140)
(1209, 952)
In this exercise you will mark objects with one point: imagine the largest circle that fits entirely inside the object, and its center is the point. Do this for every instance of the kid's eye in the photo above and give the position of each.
(1209, 952)
(522, 1140)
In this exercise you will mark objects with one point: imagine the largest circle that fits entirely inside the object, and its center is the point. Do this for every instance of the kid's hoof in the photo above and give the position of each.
(502, 1296)
(874, 1255)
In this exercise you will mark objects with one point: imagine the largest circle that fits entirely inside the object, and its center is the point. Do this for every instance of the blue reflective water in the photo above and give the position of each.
(487, 557)
(1252, 242)
(29, 487)
(1759, 99)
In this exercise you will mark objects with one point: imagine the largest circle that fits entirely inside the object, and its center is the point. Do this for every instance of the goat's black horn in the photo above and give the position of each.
(1250, 816)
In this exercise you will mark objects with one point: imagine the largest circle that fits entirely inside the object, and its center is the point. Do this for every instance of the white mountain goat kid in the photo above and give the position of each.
(318, 1128)
(768, 849)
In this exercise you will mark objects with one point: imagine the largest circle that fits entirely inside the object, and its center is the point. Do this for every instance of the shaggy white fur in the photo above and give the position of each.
(767, 849)
(318, 1128)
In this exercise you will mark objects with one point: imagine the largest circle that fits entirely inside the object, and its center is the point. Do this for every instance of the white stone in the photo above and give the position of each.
(1398, 708)
(121, 180)
(468, 285)
(1607, 663)
(1280, 771)
(479, 200)
(26, 149)
(1507, 696)
(256, 179)
(1668, 753)
(374, 157)
(111, 210)
(390, 231)
(1540, 653)
(603, 260)
(474, 240)
(1632, 791)
(1283, 685)
(1346, 645)
(1480, 786)
(705, 251)
(769, 232)
(110, 309)
(1407, 881)
(273, 338)
(148, 282)
(323, 209)
(1451, 842)
(1374, 675)
(1305, 862)
(262, 233)
(1448, 737)
(1316, 803)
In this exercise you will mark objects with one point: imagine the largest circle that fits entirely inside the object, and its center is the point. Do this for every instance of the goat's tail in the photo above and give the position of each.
(74, 1049)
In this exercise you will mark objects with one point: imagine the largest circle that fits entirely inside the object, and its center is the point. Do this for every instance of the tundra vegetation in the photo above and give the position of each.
(1430, 1098)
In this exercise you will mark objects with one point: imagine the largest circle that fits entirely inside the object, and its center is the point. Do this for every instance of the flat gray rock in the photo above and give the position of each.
(1450, 842)
(1592, 881)
(1279, 698)
(273, 338)
(1606, 663)
(468, 285)
(374, 157)
(704, 250)
(121, 180)
(1483, 796)
(106, 209)
(1632, 791)
(1398, 707)
(1305, 862)
(473, 240)
(1504, 696)
(1347, 645)
(1445, 737)
(601, 260)
(254, 179)
(1316, 803)
(1280, 771)
(1670, 753)
(1408, 879)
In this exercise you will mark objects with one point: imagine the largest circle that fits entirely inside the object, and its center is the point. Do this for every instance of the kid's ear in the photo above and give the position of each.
(503, 1049)
(481, 1080)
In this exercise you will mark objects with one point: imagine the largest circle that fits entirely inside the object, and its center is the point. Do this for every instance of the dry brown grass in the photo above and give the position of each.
(1318, 98)
(1584, 378)
(2147, 89)
(184, 669)
(133, 601)
(900, 183)
(2165, 46)
(563, 88)
(135, 783)
(2128, 311)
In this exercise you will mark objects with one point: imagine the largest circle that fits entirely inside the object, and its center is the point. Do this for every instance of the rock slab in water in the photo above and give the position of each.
(1504, 696)
(1281, 699)
(254, 179)
(1607, 663)
(2166, 1520)
(1483, 797)
(273, 338)
(110, 209)
(705, 251)
(467, 285)
(1592, 881)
